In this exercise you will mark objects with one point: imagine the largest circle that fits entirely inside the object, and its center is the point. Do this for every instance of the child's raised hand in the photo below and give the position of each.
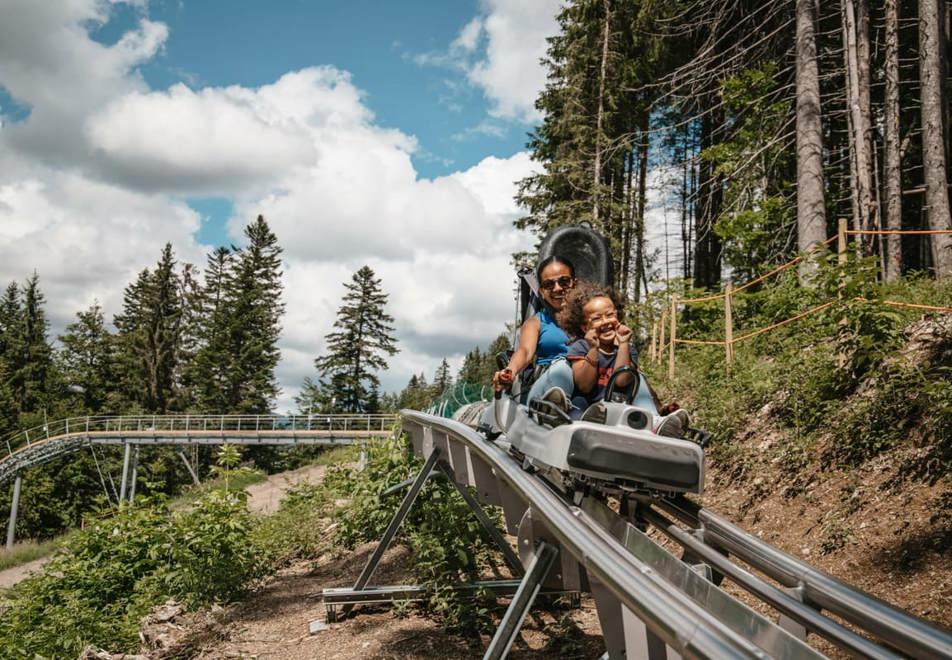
(622, 334)
(591, 336)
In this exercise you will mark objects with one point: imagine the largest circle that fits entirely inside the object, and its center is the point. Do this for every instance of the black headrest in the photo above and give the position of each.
(588, 251)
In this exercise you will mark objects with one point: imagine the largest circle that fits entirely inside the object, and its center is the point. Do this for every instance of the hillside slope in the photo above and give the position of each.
(863, 492)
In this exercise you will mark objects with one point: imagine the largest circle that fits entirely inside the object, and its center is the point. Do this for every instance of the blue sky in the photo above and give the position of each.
(379, 43)
(388, 134)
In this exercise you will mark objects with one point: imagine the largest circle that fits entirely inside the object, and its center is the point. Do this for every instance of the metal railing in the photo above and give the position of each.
(146, 425)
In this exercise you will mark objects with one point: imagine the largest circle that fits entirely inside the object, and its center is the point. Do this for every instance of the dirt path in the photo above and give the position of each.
(264, 497)
(274, 622)
(14, 574)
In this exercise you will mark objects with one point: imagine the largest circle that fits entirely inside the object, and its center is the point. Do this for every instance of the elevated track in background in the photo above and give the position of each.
(44, 443)
(650, 602)
(41, 444)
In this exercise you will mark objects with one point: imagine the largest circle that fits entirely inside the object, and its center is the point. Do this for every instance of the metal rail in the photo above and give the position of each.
(651, 603)
(898, 628)
(638, 608)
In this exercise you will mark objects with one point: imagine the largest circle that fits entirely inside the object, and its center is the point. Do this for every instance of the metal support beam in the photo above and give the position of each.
(336, 597)
(12, 524)
(394, 525)
(512, 559)
(127, 454)
(189, 467)
(521, 602)
(135, 474)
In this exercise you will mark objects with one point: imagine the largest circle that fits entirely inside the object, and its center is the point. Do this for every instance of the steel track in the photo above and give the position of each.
(651, 603)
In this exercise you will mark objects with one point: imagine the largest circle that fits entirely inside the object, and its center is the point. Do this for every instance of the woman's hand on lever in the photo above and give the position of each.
(502, 380)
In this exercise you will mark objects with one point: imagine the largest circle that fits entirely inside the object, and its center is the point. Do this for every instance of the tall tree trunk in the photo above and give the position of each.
(893, 164)
(597, 165)
(628, 166)
(933, 140)
(707, 244)
(856, 49)
(811, 206)
(865, 137)
(642, 205)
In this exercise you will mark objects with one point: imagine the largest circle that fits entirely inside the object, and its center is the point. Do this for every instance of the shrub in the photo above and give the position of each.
(108, 576)
(446, 542)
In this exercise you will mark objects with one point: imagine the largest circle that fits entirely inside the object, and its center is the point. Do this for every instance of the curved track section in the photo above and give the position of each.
(44, 443)
(652, 604)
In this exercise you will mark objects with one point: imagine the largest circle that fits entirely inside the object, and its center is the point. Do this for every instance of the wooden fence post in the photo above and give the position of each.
(661, 327)
(653, 350)
(841, 242)
(728, 327)
(674, 334)
(841, 261)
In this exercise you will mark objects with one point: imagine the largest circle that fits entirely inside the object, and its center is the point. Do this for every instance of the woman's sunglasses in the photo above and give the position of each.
(565, 282)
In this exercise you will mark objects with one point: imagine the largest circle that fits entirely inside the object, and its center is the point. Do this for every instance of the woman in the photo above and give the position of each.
(540, 336)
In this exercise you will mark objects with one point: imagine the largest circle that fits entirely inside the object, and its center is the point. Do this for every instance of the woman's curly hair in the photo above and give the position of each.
(572, 318)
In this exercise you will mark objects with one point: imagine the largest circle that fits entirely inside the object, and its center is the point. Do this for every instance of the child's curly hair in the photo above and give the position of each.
(571, 318)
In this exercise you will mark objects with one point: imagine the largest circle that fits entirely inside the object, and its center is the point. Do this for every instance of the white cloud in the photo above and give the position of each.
(468, 37)
(91, 187)
(511, 74)
(500, 53)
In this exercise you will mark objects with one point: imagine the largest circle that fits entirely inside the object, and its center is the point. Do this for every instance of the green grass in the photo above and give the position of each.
(29, 550)
(337, 455)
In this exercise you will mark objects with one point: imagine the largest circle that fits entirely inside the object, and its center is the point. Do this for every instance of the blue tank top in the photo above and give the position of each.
(553, 342)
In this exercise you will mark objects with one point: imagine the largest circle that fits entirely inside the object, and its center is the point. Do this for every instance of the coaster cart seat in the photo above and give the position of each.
(612, 444)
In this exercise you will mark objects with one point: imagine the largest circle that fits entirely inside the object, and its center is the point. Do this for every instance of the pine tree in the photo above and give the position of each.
(87, 359)
(315, 399)
(10, 311)
(470, 371)
(210, 368)
(253, 305)
(442, 380)
(357, 348)
(417, 395)
(189, 343)
(149, 334)
(30, 355)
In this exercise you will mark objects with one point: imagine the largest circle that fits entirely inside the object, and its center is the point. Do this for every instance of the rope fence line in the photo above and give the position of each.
(702, 342)
(782, 267)
(668, 318)
(896, 232)
(814, 310)
(933, 308)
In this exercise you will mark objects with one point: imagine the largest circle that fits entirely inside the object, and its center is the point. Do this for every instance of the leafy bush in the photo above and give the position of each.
(210, 558)
(447, 544)
(296, 529)
(107, 577)
(92, 591)
(828, 379)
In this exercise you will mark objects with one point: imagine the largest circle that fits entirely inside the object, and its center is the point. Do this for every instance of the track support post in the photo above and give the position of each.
(126, 457)
(545, 555)
(394, 525)
(14, 506)
(512, 559)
